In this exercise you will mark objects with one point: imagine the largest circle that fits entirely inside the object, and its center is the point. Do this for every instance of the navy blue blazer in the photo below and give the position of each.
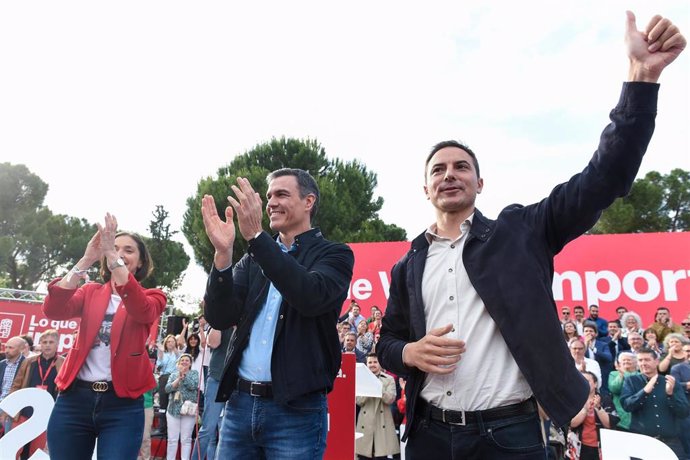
(510, 264)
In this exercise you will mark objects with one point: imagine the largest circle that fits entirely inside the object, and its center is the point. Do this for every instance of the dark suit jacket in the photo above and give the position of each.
(623, 345)
(510, 264)
(313, 281)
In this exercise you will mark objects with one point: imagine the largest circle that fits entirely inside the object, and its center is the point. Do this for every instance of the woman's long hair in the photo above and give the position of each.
(193, 350)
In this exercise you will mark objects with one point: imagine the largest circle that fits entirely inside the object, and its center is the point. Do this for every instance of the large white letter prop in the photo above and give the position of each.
(42, 403)
(619, 445)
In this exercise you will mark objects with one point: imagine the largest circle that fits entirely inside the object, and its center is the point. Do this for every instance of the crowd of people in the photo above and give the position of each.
(638, 376)
(469, 323)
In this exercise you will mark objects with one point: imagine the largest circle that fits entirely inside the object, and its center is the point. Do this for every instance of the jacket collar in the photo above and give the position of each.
(481, 229)
(304, 239)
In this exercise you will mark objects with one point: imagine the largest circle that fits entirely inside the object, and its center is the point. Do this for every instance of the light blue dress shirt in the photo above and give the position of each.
(256, 358)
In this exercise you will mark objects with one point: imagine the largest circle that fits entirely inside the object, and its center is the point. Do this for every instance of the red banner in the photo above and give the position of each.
(641, 271)
(25, 317)
(340, 442)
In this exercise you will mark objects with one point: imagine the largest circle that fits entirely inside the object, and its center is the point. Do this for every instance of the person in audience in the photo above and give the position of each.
(685, 324)
(365, 339)
(194, 347)
(631, 322)
(565, 314)
(620, 311)
(373, 309)
(663, 324)
(350, 346)
(602, 324)
(579, 313)
(651, 338)
(593, 416)
(168, 353)
(570, 330)
(673, 344)
(598, 350)
(183, 386)
(616, 341)
(375, 420)
(577, 351)
(375, 325)
(636, 342)
(352, 316)
(657, 404)
(681, 372)
(626, 364)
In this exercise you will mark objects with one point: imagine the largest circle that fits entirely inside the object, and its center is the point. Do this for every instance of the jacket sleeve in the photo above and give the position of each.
(632, 398)
(681, 378)
(395, 329)
(603, 355)
(327, 280)
(678, 403)
(574, 207)
(225, 294)
(615, 382)
(61, 303)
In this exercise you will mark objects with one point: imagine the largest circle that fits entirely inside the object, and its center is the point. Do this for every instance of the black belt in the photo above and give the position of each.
(260, 389)
(98, 387)
(454, 417)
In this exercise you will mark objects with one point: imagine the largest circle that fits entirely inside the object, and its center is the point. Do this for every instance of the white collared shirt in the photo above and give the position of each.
(487, 376)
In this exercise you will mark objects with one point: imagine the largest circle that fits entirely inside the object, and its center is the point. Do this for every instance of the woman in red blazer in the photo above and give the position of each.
(108, 370)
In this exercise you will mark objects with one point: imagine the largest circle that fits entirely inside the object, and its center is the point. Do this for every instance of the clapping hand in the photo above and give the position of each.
(670, 383)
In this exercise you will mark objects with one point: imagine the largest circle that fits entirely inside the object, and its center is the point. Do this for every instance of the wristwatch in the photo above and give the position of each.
(116, 264)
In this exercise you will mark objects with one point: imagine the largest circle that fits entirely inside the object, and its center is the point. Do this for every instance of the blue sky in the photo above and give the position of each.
(143, 99)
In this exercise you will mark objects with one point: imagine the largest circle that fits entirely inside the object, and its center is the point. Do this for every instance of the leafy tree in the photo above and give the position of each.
(656, 203)
(348, 211)
(34, 243)
(169, 257)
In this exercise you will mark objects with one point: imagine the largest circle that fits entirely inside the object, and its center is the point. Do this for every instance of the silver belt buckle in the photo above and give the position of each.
(461, 423)
(99, 387)
(251, 389)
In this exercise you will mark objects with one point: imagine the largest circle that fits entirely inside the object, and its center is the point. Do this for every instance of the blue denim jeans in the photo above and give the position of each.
(207, 439)
(260, 428)
(517, 437)
(81, 416)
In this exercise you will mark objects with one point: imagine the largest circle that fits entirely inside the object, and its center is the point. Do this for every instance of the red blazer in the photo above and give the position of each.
(130, 365)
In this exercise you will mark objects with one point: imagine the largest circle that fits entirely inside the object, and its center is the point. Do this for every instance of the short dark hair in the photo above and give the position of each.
(144, 255)
(306, 183)
(578, 307)
(591, 325)
(616, 322)
(592, 374)
(451, 143)
(648, 351)
(372, 354)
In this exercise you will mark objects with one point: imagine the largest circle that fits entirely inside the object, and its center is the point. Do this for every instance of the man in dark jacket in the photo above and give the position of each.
(284, 296)
(471, 317)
